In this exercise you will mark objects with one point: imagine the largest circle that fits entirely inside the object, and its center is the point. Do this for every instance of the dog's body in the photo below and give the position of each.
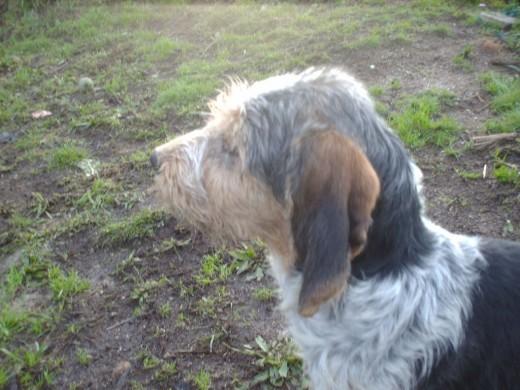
(376, 295)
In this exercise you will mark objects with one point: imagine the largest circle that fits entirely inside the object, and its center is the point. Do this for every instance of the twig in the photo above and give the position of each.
(117, 324)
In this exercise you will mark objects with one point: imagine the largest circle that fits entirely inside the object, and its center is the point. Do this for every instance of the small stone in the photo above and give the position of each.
(6, 137)
(86, 84)
(120, 369)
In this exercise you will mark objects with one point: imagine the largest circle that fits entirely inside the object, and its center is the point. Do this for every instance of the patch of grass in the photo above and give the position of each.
(206, 307)
(66, 156)
(505, 102)
(4, 377)
(143, 290)
(102, 194)
(84, 358)
(376, 90)
(65, 286)
(508, 122)
(264, 294)
(148, 360)
(167, 371)
(395, 85)
(212, 269)
(277, 362)
(463, 59)
(469, 175)
(165, 310)
(507, 175)
(140, 225)
(163, 47)
(202, 380)
(419, 122)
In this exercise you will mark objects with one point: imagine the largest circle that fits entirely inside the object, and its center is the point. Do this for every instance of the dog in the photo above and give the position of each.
(376, 295)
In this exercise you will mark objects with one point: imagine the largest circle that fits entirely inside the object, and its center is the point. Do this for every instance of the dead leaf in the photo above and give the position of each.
(41, 114)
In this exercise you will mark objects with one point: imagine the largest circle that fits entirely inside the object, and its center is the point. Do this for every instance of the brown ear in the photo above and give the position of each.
(333, 200)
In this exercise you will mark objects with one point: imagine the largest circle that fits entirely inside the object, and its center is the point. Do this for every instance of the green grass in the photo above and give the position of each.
(166, 372)
(463, 59)
(83, 357)
(507, 175)
(469, 175)
(212, 269)
(148, 84)
(419, 120)
(505, 102)
(66, 285)
(66, 156)
(139, 225)
(264, 294)
(102, 194)
(202, 380)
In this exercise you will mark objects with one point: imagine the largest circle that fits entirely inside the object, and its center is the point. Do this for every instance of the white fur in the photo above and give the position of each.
(373, 336)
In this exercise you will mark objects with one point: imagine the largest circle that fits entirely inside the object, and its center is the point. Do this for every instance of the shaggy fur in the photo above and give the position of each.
(375, 295)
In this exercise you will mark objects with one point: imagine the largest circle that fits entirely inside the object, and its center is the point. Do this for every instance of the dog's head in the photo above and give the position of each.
(269, 164)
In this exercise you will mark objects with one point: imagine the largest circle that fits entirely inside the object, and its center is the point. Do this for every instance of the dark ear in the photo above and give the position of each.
(332, 203)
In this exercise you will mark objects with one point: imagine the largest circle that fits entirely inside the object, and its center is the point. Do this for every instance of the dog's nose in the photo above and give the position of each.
(154, 160)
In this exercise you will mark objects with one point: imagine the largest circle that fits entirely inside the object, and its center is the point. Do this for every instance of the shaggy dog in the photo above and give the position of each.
(376, 296)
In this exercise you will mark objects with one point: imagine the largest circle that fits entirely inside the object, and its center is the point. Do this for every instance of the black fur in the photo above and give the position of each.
(489, 357)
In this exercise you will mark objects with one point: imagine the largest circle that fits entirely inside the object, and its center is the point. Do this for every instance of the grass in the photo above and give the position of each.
(264, 294)
(507, 175)
(65, 285)
(83, 357)
(505, 102)
(202, 380)
(66, 156)
(138, 226)
(152, 73)
(420, 122)
(463, 59)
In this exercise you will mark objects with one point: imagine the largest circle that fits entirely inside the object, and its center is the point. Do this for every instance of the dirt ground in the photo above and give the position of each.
(149, 318)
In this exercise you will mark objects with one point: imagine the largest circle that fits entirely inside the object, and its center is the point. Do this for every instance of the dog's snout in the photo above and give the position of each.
(154, 160)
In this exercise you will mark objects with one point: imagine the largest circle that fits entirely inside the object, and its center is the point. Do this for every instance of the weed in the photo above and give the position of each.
(166, 371)
(143, 290)
(202, 380)
(419, 122)
(248, 260)
(138, 226)
(66, 156)
(507, 175)
(181, 320)
(395, 84)
(84, 358)
(212, 269)
(100, 195)
(508, 122)
(376, 91)
(148, 360)
(40, 204)
(264, 294)
(469, 175)
(63, 285)
(277, 362)
(463, 59)
(505, 102)
(165, 310)
(206, 307)
(4, 377)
